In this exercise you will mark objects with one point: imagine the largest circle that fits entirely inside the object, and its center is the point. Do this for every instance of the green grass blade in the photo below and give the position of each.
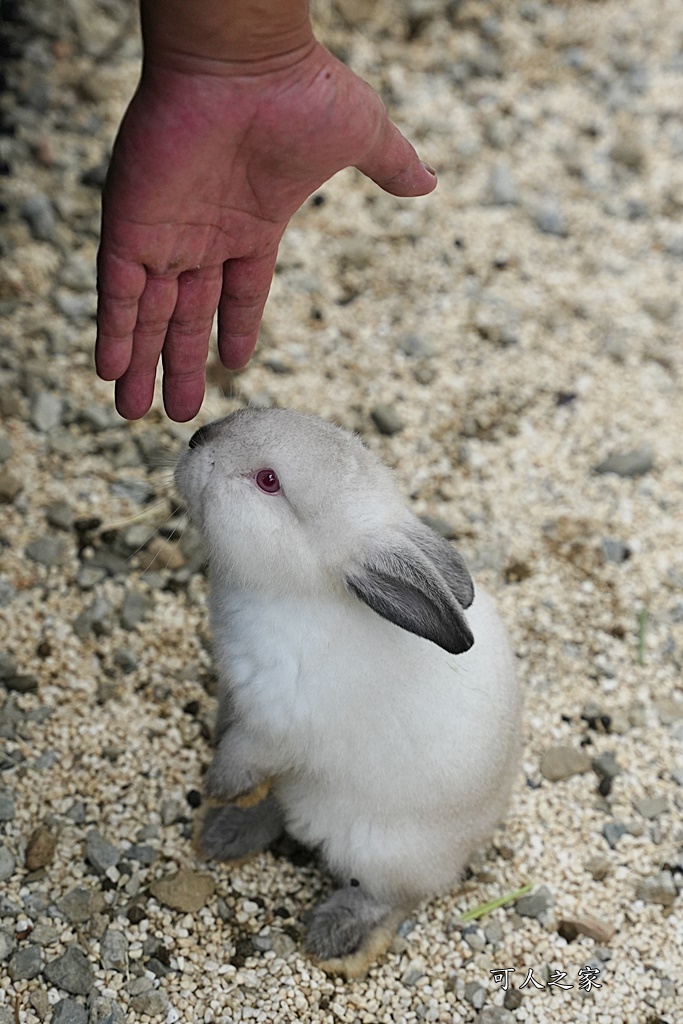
(486, 908)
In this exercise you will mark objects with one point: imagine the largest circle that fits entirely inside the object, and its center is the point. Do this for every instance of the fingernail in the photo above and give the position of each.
(429, 168)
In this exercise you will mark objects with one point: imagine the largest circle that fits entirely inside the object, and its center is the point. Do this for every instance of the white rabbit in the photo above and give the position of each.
(384, 720)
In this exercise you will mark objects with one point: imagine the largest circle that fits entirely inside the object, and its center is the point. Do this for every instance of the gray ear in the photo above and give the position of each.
(411, 581)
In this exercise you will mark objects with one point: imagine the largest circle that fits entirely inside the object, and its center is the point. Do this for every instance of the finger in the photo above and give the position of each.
(119, 286)
(395, 166)
(187, 342)
(246, 283)
(135, 389)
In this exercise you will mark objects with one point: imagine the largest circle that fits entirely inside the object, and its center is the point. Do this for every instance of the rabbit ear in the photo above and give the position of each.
(413, 582)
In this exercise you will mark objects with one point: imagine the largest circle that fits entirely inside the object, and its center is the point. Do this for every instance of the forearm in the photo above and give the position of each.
(180, 32)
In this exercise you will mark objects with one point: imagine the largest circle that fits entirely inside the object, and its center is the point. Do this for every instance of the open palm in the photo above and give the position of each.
(206, 172)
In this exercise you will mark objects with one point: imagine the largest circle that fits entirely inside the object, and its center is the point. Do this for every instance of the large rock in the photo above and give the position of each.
(187, 891)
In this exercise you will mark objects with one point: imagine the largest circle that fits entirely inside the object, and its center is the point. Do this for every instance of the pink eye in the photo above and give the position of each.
(267, 480)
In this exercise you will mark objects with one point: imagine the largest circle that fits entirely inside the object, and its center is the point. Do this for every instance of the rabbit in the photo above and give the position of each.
(367, 698)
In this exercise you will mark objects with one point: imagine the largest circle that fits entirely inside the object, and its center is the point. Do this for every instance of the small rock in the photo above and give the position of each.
(40, 1003)
(628, 464)
(26, 963)
(47, 550)
(534, 904)
(100, 853)
(497, 1014)
(669, 710)
(89, 576)
(76, 905)
(95, 176)
(414, 971)
(605, 765)
(412, 345)
(39, 214)
(550, 221)
(10, 486)
(97, 618)
(493, 933)
(68, 1011)
(7, 864)
(186, 891)
(124, 660)
(651, 807)
(475, 994)
(474, 938)
(615, 550)
(598, 867)
(282, 945)
(502, 186)
(512, 1000)
(142, 853)
(60, 515)
(40, 848)
(105, 1011)
(7, 810)
(171, 811)
(613, 831)
(657, 889)
(628, 152)
(47, 410)
(71, 972)
(661, 307)
(387, 420)
(153, 1003)
(98, 417)
(7, 945)
(562, 762)
(497, 321)
(8, 665)
(135, 608)
(585, 924)
(114, 950)
(78, 273)
(6, 450)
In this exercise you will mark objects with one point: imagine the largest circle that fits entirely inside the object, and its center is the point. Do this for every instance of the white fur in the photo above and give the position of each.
(392, 755)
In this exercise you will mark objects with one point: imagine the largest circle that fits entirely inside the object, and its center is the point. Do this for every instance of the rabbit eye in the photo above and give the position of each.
(267, 480)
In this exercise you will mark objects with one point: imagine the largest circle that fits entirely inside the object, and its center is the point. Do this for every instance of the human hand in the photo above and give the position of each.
(207, 170)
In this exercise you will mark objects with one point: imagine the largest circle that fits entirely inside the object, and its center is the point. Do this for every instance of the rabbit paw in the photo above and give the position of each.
(229, 776)
(232, 833)
(349, 930)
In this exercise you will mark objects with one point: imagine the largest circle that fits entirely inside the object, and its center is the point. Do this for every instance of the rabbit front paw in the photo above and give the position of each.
(231, 778)
(233, 833)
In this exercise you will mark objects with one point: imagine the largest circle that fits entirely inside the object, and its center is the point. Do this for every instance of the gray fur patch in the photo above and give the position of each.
(230, 833)
(340, 924)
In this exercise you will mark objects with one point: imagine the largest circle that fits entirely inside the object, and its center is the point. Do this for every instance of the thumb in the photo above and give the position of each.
(394, 165)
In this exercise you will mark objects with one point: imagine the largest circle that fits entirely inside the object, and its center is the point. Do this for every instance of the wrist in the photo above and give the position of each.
(225, 36)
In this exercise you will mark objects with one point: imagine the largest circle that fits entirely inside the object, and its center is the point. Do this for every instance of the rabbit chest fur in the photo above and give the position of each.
(361, 676)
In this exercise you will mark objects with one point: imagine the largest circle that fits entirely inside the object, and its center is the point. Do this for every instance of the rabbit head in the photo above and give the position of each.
(288, 503)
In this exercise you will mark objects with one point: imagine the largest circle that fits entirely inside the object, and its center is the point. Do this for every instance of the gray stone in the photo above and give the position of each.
(502, 187)
(47, 550)
(71, 972)
(657, 889)
(76, 905)
(474, 938)
(187, 891)
(154, 1003)
(495, 1015)
(7, 592)
(7, 810)
(97, 618)
(8, 665)
(534, 904)
(475, 994)
(78, 273)
(26, 963)
(75, 307)
(22, 683)
(136, 491)
(39, 214)
(628, 152)
(493, 933)
(660, 307)
(562, 762)
(628, 464)
(605, 765)
(68, 1011)
(124, 659)
(669, 710)
(615, 550)
(171, 811)
(387, 420)
(7, 945)
(651, 807)
(135, 608)
(6, 450)
(10, 486)
(89, 576)
(143, 853)
(550, 221)
(282, 945)
(415, 970)
(613, 831)
(412, 345)
(497, 321)
(44, 935)
(114, 950)
(60, 515)
(47, 410)
(100, 853)
(99, 417)
(105, 1011)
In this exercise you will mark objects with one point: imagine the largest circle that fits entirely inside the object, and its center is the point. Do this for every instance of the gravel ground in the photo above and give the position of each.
(511, 345)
